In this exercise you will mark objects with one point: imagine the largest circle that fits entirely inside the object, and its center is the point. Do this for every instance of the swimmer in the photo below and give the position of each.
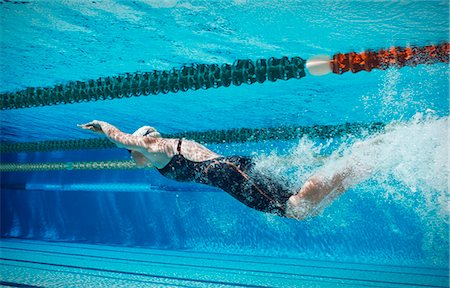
(188, 161)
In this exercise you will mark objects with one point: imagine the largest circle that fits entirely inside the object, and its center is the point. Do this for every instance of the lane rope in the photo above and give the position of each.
(238, 135)
(190, 77)
(59, 166)
(205, 76)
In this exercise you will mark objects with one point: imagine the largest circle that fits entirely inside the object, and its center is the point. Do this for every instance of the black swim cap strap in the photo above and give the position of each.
(179, 146)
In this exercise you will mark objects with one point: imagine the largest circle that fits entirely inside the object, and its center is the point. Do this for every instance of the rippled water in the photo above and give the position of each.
(399, 213)
(49, 42)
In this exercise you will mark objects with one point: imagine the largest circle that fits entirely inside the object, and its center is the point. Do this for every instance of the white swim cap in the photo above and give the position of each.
(147, 131)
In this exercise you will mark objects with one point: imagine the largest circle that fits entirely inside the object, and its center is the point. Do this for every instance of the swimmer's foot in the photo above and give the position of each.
(306, 202)
(299, 208)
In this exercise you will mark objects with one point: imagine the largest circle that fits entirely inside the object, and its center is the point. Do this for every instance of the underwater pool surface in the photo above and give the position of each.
(76, 212)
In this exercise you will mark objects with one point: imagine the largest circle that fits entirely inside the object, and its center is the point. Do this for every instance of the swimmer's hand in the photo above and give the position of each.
(94, 126)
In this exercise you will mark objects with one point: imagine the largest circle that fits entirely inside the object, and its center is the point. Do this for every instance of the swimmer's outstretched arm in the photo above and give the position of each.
(121, 139)
(164, 147)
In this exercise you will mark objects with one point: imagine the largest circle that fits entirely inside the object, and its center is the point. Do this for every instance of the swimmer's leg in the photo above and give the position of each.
(328, 184)
(316, 193)
(322, 188)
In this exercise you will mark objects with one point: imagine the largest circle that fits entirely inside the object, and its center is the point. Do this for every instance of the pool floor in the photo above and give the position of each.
(26, 263)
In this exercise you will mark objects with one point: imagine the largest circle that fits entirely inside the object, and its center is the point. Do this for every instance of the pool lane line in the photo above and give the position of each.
(211, 281)
(224, 260)
(50, 243)
(332, 261)
(135, 273)
(88, 274)
(13, 284)
(240, 269)
(171, 285)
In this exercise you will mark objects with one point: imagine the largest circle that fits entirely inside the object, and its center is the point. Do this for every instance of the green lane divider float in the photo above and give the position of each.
(192, 77)
(58, 166)
(238, 135)
(205, 76)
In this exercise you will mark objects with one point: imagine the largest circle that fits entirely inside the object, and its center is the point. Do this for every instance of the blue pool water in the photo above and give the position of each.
(398, 217)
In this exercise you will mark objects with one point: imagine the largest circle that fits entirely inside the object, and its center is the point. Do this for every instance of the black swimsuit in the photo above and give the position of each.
(235, 175)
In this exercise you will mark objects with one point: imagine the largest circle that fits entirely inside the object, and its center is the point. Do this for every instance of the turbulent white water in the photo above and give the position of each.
(409, 160)
(413, 155)
(404, 166)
